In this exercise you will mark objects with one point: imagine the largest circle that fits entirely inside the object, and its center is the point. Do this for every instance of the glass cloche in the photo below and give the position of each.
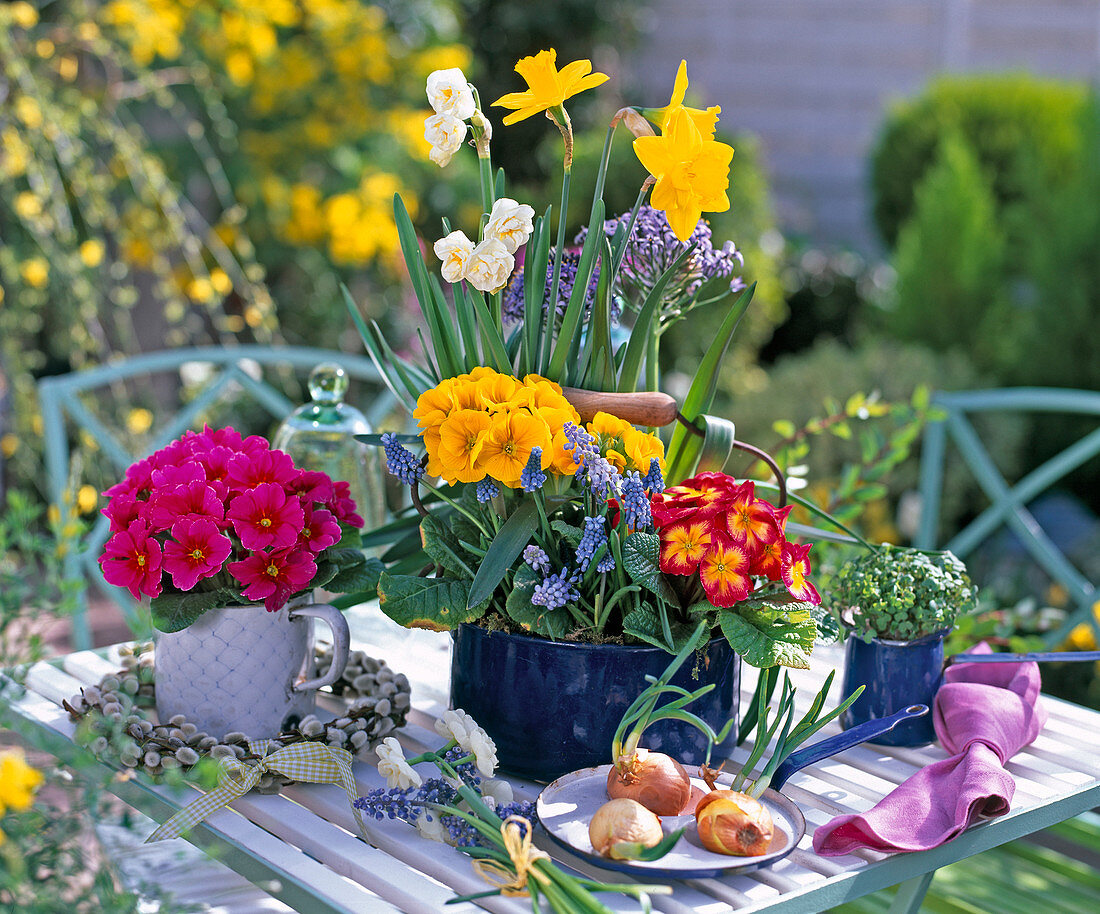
(321, 436)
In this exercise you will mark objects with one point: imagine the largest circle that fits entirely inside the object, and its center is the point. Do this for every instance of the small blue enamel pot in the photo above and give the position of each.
(896, 674)
(553, 707)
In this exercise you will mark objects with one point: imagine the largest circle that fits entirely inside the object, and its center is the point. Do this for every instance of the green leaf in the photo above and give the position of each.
(644, 623)
(438, 604)
(639, 333)
(572, 535)
(173, 612)
(442, 546)
(572, 325)
(718, 437)
(784, 428)
(506, 547)
(550, 623)
(360, 577)
(765, 638)
(642, 561)
(683, 449)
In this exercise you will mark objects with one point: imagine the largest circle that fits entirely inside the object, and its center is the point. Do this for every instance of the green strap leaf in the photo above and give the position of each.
(506, 547)
(683, 449)
(717, 443)
(572, 325)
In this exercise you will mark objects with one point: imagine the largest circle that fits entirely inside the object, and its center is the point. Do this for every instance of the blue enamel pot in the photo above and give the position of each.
(553, 707)
(896, 674)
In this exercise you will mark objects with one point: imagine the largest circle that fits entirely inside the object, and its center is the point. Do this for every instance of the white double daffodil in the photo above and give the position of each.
(393, 767)
(510, 223)
(463, 729)
(445, 132)
(449, 93)
(454, 251)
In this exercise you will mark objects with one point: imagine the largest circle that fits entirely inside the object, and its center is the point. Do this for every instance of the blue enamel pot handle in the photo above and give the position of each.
(860, 733)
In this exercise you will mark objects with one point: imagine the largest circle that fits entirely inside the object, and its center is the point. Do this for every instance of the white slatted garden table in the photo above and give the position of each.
(300, 845)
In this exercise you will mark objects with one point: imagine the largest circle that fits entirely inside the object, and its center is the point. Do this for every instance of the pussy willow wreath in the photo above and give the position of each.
(115, 723)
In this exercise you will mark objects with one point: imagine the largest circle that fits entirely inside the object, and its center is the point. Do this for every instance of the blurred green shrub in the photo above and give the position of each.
(1017, 125)
(952, 265)
(791, 394)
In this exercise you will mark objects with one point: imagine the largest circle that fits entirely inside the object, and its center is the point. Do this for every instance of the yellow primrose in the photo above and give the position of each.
(434, 405)
(458, 447)
(507, 445)
(705, 121)
(692, 173)
(547, 86)
(642, 448)
(561, 460)
(494, 393)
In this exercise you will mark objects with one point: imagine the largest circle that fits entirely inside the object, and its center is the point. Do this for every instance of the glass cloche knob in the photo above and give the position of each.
(321, 436)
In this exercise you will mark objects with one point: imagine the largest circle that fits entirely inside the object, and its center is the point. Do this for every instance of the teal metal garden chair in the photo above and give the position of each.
(1009, 502)
(72, 405)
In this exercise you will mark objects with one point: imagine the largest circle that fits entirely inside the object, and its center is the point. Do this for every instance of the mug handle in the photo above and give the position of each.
(341, 639)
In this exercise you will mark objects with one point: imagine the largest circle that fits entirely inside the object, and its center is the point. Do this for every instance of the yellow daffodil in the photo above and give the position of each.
(705, 121)
(548, 87)
(692, 173)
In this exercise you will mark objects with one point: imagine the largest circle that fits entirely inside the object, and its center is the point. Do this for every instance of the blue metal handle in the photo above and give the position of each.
(860, 733)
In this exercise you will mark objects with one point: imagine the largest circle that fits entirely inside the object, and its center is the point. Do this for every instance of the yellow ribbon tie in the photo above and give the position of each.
(314, 763)
(516, 832)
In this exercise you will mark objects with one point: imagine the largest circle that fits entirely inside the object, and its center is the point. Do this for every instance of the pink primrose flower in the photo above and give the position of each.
(246, 471)
(194, 499)
(313, 485)
(137, 481)
(274, 576)
(178, 474)
(171, 454)
(343, 505)
(123, 509)
(132, 559)
(197, 550)
(266, 517)
(320, 530)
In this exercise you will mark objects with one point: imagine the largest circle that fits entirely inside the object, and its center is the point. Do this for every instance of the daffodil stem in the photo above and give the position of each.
(601, 173)
(563, 213)
(652, 372)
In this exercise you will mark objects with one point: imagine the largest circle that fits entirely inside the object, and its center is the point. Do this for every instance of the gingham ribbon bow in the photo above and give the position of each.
(315, 763)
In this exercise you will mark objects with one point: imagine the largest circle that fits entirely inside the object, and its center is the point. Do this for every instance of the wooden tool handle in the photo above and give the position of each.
(648, 408)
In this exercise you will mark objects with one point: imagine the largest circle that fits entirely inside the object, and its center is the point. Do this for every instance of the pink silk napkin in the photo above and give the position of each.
(984, 713)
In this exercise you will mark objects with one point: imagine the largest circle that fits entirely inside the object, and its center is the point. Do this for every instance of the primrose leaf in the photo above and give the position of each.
(173, 612)
(571, 534)
(550, 623)
(771, 635)
(438, 604)
(442, 546)
(642, 561)
(357, 577)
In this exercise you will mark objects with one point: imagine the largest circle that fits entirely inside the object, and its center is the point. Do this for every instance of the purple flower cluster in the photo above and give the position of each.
(400, 461)
(533, 478)
(537, 559)
(653, 248)
(512, 302)
(486, 490)
(556, 591)
(635, 503)
(594, 536)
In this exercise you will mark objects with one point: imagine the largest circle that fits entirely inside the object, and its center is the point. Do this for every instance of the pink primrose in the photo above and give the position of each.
(132, 559)
(123, 509)
(313, 485)
(197, 550)
(320, 530)
(179, 474)
(265, 517)
(246, 471)
(194, 499)
(343, 505)
(274, 576)
(137, 481)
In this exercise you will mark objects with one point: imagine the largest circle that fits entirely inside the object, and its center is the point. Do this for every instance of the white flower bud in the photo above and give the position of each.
(511, 223)
(489, 267)
(454, 251)
(445, 132)
(449, 93)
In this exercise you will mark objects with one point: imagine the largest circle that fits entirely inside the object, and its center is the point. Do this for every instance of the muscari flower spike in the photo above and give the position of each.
(533, 478)
(555, 591)
(486, 490)
(400, 461)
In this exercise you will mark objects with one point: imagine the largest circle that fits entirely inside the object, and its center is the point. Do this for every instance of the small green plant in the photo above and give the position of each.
(900, 594)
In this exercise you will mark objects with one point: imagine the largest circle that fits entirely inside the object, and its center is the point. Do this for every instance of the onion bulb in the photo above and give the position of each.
(654, 779)
(734, 823)
(621, 827)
